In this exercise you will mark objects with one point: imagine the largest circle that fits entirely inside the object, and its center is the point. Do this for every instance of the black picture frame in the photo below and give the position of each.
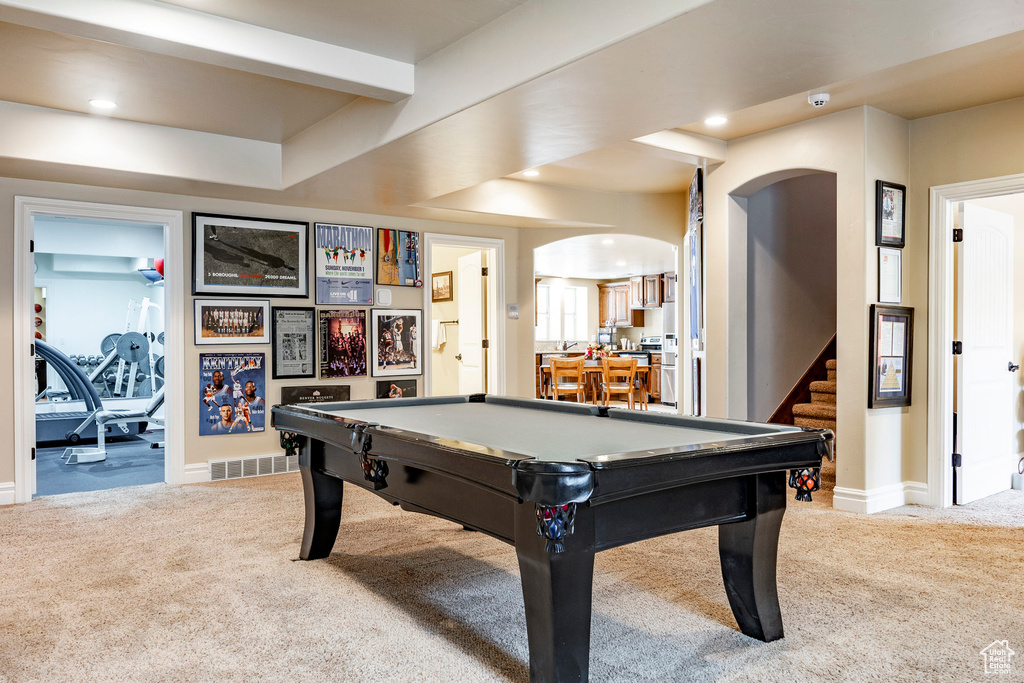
(293, 342)
(890, 214)
(259, 257)
(891, 356)
(230, 321)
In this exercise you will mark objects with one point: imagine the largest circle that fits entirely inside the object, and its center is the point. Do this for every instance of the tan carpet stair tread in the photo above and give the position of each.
(818, 411)
(814, 424)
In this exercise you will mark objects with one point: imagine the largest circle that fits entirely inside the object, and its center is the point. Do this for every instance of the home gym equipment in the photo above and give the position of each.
(128, 367)
(121, 418)
(71, 416)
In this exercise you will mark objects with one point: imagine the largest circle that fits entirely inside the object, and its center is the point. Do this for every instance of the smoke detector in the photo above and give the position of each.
(818, 99)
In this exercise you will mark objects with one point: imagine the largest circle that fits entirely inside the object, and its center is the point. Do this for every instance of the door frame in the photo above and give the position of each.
(496, 283)
(941, 299)
(25, 210)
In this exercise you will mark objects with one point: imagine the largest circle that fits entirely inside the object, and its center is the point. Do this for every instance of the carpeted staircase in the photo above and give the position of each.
(821, 413)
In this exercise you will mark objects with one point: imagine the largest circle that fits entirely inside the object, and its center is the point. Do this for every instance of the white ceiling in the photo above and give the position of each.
(417, 107)
(604, 257)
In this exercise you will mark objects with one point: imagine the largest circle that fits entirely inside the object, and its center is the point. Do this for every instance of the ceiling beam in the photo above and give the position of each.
(188, 34)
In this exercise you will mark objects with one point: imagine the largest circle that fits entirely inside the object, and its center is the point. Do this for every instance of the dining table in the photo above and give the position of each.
(592, 378)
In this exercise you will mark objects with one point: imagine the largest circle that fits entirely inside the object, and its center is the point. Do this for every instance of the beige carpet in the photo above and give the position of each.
(199, 583)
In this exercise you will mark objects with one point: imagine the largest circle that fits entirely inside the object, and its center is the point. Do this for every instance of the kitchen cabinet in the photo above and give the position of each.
(652, 291)
(654, 378)
(668, 288)
(636, 292)
(613, 307)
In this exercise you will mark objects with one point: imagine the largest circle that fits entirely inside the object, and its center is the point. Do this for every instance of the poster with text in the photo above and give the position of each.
(233, 393)
(319, 393)
(344, 264)
(398, 258)
(342, 343)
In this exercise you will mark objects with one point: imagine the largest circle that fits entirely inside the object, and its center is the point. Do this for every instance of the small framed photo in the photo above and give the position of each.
(342, 343)
(441, 287)
(398, 258)
(396, 347)
(396, 388)
(293, 353)
(231, 321)
(891, 349)
(238, 256)
(890, 214)
(890, 275)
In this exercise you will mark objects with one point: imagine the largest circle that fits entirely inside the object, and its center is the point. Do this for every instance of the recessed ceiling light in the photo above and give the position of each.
(103, 104)
(607, 241)
(531, 174)
(715, 120)
(620, 264)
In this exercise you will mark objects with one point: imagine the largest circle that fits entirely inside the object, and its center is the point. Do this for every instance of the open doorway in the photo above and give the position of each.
(465, 315)
(987, 384)
(92, 289)
(614, 296)
(99, 330)
(975, 410)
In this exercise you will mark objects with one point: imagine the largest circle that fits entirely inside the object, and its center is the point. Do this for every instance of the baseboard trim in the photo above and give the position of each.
(196, 474)
(7, 493)
(881, 498)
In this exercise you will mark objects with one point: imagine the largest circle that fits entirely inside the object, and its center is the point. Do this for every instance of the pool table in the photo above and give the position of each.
(560, 482)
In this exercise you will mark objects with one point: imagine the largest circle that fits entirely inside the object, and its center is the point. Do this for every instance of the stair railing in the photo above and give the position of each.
(801, 391)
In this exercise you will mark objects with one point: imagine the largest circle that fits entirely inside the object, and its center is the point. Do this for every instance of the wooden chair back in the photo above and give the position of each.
(567, 377)
(617, 376)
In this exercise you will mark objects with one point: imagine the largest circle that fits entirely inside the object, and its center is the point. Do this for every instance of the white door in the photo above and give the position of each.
(985, 400)
(471, 323)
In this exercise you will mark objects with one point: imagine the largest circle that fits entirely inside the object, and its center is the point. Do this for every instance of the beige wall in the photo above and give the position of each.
(200, 449)
(972, 144)
(858, 146)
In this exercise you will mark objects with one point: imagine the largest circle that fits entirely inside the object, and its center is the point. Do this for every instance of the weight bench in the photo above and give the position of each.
(121, 418)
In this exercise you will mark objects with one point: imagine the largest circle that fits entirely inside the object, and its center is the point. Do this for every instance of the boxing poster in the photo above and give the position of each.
(344, 264)
(233, 393)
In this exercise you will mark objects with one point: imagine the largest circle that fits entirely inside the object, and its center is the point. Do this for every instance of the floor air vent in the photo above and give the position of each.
(258, 466)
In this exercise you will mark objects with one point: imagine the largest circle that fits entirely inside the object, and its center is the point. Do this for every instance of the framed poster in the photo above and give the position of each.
(293, 353)
(231, 321)
(342, 343)
(890, 275)
(892, 345)
(396, 346)
(249, 256)
(441, 287)
(320, 393)
(890, 214)
(396, 388)
(234, 386)
(344, 264)
(695, 245)
(398, 258)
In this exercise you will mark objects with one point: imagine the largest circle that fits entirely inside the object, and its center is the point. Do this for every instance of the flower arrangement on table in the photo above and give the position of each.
(598, 351)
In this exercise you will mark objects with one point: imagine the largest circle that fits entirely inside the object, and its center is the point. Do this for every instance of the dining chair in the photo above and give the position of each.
(617, 376)
(567, 377)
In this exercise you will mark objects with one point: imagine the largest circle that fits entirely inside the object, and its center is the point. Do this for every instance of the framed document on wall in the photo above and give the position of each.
(294, 347)
(890, 214)
(891, 349)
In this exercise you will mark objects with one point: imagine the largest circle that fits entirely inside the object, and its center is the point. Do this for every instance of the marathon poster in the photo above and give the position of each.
(233, 394)
(344, 264)
(234, 255)
(342, 343)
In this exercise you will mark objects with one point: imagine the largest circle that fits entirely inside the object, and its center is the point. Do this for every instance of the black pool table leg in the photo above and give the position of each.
(323, 496)
(557, 592)
(749, 552)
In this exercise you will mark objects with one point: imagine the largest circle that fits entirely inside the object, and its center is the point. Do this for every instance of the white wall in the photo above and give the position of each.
(791, 285)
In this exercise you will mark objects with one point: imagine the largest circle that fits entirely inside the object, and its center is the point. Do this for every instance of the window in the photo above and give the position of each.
(561, 313)
(544, 331)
